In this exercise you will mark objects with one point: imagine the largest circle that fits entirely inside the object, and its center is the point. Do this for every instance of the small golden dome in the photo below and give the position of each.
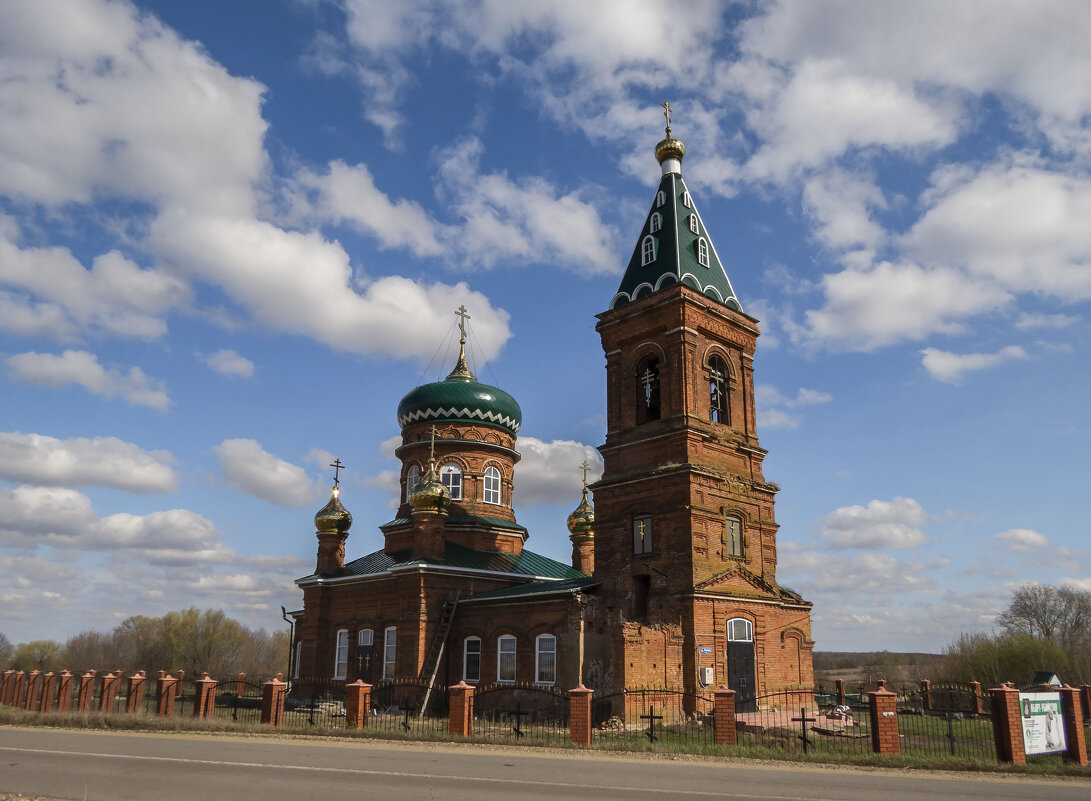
(333, 516)
(430, 495)
(581, 521)
(669, 148)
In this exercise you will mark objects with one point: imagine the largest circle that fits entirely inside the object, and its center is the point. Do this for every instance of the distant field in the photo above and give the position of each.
(867, 667)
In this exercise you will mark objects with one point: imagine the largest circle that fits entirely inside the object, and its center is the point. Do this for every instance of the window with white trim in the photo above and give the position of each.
(451, 476)
(732, 536)
(505, 658)
(687, 201)
(365, 638)
(390, 651)
(739, 629)
(717, 391)
(702, 252)
(660, 198)
(647, 250)
(642, 534)
(693, 224)
(412, 480)
(545, 659)
(471, 660)
(492, 485)
(656, 223)
(341, 655)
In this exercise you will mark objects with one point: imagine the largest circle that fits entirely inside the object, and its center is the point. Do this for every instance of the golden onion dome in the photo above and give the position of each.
(429, 495)
(669, 148)
(333, 516)
(581, 521)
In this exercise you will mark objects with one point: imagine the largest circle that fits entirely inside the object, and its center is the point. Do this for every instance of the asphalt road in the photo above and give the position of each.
(110, 766)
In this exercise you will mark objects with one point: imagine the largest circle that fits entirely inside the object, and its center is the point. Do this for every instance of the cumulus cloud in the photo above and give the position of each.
(1022, 540)
(881, 525)
(79, 462)
(1027, 321)
(248, 468)
(228, 362)
(951, 367)
(772, 407)
(549, 472)
(83, 369)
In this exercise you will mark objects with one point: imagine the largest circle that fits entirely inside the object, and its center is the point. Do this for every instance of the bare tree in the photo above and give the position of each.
(7, 652)
(1061, 615)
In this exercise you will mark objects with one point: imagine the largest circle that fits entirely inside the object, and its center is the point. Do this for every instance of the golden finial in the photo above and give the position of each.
(667, 114)
(462, 370)
(669, 151)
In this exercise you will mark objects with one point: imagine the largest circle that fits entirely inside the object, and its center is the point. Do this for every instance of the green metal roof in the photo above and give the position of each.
(674, 216)
(460, 398)
(534, 590)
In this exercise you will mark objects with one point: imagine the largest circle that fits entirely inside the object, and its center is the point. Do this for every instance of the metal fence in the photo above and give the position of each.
(521, 713)
(950, 726)
(653, 717)
(409, 709)
(804, 721)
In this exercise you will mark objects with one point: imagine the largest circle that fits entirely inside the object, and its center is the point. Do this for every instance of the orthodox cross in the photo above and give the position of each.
(667, 114)
(585, 466)
(518, 714)
(647, 379)
(804, 720)
(463, 316)
(651, 717)
(337, 468)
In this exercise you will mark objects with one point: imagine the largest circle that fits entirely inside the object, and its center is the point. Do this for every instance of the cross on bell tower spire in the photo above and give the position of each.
(462, 370)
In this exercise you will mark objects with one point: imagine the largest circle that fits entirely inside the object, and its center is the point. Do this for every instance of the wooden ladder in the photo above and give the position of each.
(430, 669)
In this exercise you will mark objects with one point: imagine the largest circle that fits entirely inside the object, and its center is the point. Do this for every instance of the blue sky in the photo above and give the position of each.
(233, 235)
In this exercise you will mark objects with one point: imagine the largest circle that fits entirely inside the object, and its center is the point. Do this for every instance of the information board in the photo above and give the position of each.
(1043, 726)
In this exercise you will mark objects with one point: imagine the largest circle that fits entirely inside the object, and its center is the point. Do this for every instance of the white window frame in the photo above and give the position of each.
(687, 201)
(448, 473)
(642, 541)
(733, 546)
(656, 222)
(539, 652)
(365, 638)
(466, 660)
(504, 654)
(491, 486)
(341, 655)
(747, 630)
(390, 651)
(702, 252)
(412, 480)
(693, 224)
(660, 198)
(647, 250)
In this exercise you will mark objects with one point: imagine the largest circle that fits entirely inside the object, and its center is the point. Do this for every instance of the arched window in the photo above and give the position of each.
(732, 539)
(365, 640)
(545, 659)
(505, 658)
(471, 660)
(647, 388)
(739, 629)
(656, 223)
(693, 224)
(492, 485)
(451, 476)
(660, 198)
(642, 534)
(702, 252)
(687, 201)
(412, 480)
(717, 391)
(390, 651)
(647, 251)
(341, 655)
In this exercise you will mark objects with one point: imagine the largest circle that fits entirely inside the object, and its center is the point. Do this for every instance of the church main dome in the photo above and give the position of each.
(460, 398)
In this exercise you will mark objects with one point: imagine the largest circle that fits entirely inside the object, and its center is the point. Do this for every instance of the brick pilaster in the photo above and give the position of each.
(178, 686)
(87, 691)
(204, 697)
(840, 684)
(6, 686)
(1007, 726)
(165, 693)
(240, 685)
(723, 713)
(64, 691)
(111, 684)
(357, 704)
(462, 709)
(579, 715)
(134, 701)
(979, 699)
(926, 695)
(33, 679)
(20, 685)
(272, 701)
(49, 684)
(1072, 712)
(884, 721)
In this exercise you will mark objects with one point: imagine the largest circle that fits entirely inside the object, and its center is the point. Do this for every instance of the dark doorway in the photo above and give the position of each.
(740, 675)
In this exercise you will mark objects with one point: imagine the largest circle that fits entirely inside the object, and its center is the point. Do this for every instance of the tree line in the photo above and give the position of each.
(189, 640)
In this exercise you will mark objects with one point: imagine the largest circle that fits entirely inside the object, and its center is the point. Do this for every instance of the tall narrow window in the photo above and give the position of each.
(341, 654)
(451, 476)
(505, 658)
(647, 388)
(647, 251)
(693, 224)
(642, 534)
(298, 656)
(492, 485)
(545, 659)
(717, 391)
(657, 222)
(471, 660)
(412, 479)
(687, 201)
(732, 536)
(702, 252)
(390, 651)
(365, 642)
(660, 198)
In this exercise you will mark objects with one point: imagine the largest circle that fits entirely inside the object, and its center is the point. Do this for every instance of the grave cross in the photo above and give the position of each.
(406, 707)
(518, 714)
(950, 718)
(804, 720)
(651, 717)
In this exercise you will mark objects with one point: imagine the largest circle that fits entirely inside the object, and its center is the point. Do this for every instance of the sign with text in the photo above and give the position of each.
(1043, 726)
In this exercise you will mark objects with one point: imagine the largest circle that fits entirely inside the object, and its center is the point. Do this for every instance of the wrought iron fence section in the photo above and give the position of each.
(528, 714)
(238, 701)
(949, 726)
(316, 705)
(804, 721)
(398, 707)
(653, 717)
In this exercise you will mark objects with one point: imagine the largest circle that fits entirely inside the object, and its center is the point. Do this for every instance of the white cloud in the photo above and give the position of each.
(772, 406)
(840, 204)
(80, 462)
(250, 469)
(549, 472)
(1027, 321)
(83, 368)
(950, 367)
(229, 363)
(1023, 540)
(881, 525)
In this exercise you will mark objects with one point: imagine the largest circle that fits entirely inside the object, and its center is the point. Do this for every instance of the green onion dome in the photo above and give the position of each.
(460, 398)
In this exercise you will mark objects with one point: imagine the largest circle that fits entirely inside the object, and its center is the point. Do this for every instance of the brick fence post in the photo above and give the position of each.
(1085, 700)
(1007, 725)
(357, 704)
(926, 695)
(204, 697)
(111, 684)
(20, 683)
(134, 701)
(240, 685)
(461, 709)
(884, 721)
(840, 685)
(723, 715)
(979, 699)
(1072, 713)
(178, 686)
(272, 701)
(64, 691)
(164, 695)
(33, 679)
(87, 691)
(5, 686)
(49, 682)
(579, 715)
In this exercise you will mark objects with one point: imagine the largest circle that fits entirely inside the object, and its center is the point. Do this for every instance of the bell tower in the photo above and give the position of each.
(685, 532)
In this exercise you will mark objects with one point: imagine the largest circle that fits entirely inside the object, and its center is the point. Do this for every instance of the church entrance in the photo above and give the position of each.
(740, 663)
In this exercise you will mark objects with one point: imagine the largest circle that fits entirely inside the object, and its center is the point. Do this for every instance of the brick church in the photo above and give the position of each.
(672, 582)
